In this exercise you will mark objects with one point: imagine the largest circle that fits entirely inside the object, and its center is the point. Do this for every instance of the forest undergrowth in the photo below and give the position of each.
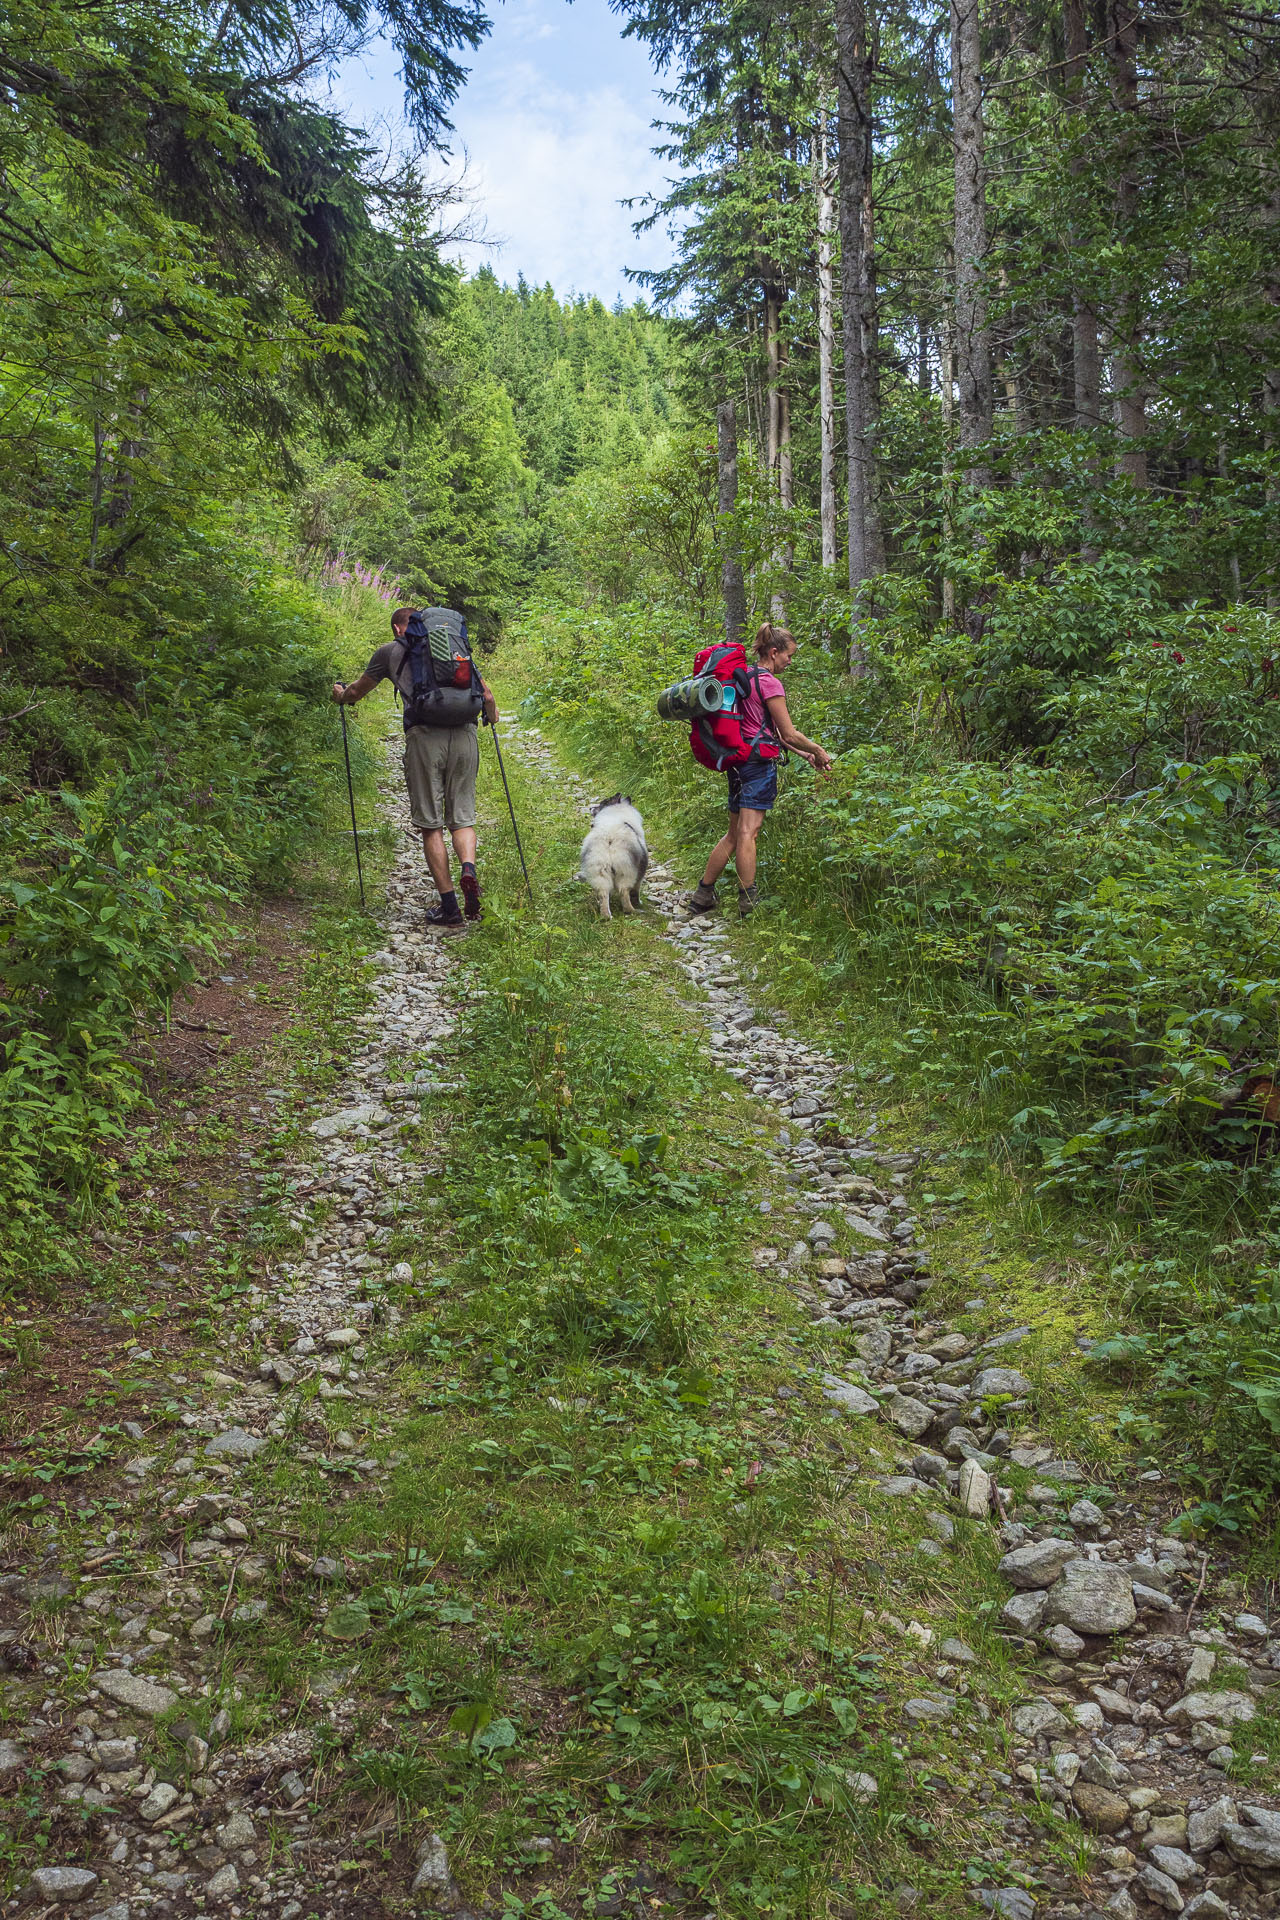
(1064, 989)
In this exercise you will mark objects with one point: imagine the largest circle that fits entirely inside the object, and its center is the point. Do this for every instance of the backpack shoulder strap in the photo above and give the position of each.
(766, 732)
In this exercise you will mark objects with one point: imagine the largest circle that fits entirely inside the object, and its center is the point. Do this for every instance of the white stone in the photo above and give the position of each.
(1178, 1865)
(1255, 1841)
(1000, 1380)
(1038, 1564)
(851, 1399)
(432, 1875)
(234, 1444)
(1223, 1709)
(1160, 1889)
(974, 1489)
(1066, 1644)
(1205, 1827)
(158, 1802)
(131, 1690)
(1023, 1612)
(1251, 1626)
(1037, 1717)
(1092, 1598)
(348, 1119)
(65, 1885)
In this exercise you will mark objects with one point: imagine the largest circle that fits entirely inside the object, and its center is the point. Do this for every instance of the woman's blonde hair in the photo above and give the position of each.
(768, 637)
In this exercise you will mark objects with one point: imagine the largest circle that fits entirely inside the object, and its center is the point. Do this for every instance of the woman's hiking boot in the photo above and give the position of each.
(702, 899)
(748, 901)
(470, 891)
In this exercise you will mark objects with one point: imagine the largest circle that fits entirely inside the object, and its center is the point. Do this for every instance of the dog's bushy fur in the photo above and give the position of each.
(615, 858)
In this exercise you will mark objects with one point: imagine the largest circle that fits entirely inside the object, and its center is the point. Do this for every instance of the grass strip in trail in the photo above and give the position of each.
(626, 1587)
(1173, 1277)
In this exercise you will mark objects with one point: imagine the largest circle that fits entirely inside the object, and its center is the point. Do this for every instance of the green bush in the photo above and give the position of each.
(201, 731)
(1075, 950)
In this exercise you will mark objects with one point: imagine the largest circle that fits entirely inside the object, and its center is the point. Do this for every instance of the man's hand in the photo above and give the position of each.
(490, 707)
(338, 691)
(820, 760)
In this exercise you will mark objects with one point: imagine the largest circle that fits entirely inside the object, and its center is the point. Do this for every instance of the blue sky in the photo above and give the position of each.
(554, 122)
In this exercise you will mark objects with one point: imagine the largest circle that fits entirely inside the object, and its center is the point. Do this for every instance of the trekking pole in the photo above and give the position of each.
(493, 727)
(351, 795)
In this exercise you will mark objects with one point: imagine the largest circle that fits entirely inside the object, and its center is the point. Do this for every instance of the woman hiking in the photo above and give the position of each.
(753, 787)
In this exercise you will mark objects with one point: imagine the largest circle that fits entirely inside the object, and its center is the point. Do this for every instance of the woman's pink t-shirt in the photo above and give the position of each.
(755, 715)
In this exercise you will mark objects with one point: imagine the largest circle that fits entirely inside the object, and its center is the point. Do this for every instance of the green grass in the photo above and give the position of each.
(606, 1588)
(617, 1593)
(1071, 1270)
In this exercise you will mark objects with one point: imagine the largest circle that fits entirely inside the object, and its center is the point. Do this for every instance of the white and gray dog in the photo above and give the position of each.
(615, 858)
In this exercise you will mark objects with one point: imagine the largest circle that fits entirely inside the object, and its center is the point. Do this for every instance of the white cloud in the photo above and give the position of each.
(555, 119)
(549, 171)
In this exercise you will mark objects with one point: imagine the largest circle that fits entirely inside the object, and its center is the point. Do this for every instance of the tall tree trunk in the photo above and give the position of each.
(1271, 406)
(948, 357)
(973, 339)
(826, 348)
(731, 582)
(1233, 558)
(97, 486)
(1126, 369)
(870, 305)
(854, 130)
(773, 355)
(1086, 358)
(786, 493)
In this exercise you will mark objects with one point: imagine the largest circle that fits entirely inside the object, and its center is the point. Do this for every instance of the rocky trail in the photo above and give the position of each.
(127, 1738)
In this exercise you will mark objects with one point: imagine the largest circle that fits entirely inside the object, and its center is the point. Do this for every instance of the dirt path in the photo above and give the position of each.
(153, 1772)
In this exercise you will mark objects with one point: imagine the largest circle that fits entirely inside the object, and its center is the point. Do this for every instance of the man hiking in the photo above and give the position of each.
(440, 765)
(753, 787)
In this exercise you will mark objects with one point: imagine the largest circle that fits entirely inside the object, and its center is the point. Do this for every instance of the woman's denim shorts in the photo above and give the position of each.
(755, 785)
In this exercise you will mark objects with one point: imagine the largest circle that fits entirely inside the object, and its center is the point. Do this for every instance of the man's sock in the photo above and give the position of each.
(449, 901)
(468, 866)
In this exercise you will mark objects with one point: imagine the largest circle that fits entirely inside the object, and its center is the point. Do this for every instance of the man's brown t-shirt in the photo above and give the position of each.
(391, 662)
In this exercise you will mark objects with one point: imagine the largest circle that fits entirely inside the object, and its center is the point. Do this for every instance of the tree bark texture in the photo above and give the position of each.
(773, 352)
(1086, 357)
(731, 581)
(1271, 394)
(854, 132)
(1126, 364)
(826, 349)
(972, 336)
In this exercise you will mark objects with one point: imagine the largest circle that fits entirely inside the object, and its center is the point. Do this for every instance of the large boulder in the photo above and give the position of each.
(1224, 1708)
(1101, 1810)
(1091, 1597)
(1256, 1844)
(1038, 1564)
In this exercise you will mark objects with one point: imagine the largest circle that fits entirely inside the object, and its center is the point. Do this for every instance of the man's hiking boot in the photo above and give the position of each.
(748, 901)
(702, 899)
(470, 891)
(449, 918)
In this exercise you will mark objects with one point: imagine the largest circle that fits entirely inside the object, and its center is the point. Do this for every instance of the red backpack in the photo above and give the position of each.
(719, 740)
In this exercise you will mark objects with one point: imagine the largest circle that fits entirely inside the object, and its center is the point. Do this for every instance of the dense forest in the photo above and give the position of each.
(976, 318)
(965, 365)
(237, 378)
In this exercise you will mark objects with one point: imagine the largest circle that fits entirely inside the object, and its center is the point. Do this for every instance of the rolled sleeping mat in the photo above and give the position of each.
(690, 698)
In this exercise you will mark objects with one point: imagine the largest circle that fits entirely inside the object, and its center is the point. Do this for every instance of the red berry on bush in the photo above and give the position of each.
(1156, 644)
(1178, 657)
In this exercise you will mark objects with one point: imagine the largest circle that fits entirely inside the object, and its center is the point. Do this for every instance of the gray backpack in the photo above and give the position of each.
(446, 687)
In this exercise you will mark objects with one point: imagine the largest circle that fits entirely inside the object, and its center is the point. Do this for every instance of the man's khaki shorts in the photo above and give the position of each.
(440, 765)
